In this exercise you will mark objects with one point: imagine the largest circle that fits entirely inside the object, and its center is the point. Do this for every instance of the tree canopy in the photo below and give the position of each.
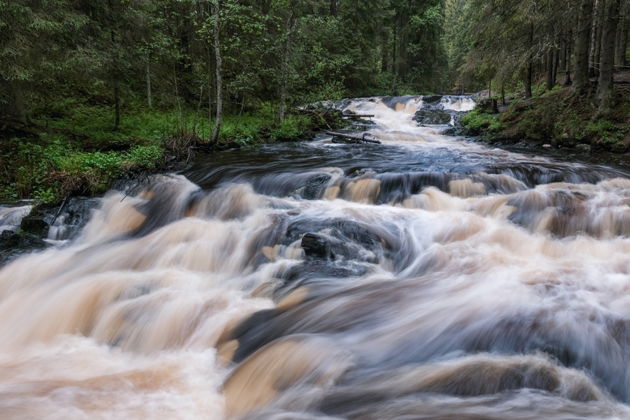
(163, 53)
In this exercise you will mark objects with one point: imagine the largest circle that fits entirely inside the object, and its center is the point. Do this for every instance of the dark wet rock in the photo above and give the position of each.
(431, 99)
(341, 229)
(315, 186)
(454, 131)
(9, 239)
(432, 116)
(317, 269)
(316, 246)
(619, 147)
(395, 187)
(14, 244)
(35, 225)
(583, 148)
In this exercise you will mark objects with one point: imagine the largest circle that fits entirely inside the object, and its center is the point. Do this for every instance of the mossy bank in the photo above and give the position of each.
(554, 119)
(78, 153)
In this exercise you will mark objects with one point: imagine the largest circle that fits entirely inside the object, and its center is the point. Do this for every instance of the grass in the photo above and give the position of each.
(75, 150)
(480, 121)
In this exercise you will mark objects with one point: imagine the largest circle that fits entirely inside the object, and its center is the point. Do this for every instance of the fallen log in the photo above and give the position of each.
(352, 138)
(358, 116)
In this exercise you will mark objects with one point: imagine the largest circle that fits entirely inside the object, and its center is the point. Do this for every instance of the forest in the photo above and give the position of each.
(315, 209)
(92, 91)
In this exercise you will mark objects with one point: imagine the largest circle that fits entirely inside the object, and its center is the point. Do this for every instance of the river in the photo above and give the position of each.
(425, 277)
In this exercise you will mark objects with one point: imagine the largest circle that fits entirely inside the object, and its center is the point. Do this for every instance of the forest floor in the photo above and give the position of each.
(78, 152)
(557, 119)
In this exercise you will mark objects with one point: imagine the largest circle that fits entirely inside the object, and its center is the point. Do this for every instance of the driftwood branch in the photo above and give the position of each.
(358, 116)
(352, 138)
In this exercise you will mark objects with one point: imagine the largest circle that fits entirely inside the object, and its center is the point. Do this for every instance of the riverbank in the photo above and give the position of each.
(555, 119)
(67, 153)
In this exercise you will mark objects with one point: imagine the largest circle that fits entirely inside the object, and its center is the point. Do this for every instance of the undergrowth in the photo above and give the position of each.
(75, 150)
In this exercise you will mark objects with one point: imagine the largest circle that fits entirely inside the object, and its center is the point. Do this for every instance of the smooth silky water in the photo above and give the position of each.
(425, 277)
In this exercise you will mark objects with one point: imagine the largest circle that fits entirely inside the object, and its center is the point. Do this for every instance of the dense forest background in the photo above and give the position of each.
(100, 86)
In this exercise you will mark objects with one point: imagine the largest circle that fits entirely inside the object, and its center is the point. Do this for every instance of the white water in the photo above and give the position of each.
(487, 298)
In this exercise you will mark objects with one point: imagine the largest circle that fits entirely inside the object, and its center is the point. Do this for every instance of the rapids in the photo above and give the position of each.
(426, 277)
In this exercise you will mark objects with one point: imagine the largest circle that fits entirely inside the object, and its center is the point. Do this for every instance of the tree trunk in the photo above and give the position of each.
(528, 81)
(284, 70)
(607, 61)
(530, 66)
(333, 7)
(385, 49)
(556, 62)
(550, 81)
(582, 46)
(596, 36)
(18, 108)
(148, 76)
(503, 94)
(567, 68)
(116, 104)
(622, 42)
(562, 57)
(216, 8)
(395, 50)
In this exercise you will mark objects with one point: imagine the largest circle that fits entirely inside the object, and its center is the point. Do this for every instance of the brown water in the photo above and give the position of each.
(427, 277)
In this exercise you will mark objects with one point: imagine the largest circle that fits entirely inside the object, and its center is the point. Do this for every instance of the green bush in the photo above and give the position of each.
(478, 121)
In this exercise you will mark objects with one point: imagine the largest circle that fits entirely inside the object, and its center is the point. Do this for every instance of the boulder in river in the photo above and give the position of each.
(431, 99)
(34, 225)
(432, 116)
(316, 246)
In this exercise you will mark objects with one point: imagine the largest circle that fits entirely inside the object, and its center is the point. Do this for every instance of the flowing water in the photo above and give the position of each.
(425, 277)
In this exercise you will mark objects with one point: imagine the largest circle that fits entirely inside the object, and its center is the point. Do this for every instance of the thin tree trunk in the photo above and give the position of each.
(567, 68)
(333, 7)
(148, 76)
(622, 42)
(18, 108)
(385, 50)
(209, 84)
(562, 57)
(503, 94)
(116, 104)
(530, 70)
(219, 80)
(395, 50)
(556, 63)
(550, 82)
(177, 96)
(607, 62)
(284, 69)
(582, 46)
(200, 99)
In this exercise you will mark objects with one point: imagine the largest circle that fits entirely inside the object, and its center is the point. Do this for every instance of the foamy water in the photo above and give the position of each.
(427, 277)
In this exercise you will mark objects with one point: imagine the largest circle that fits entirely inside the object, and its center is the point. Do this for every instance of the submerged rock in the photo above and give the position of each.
(432, 116)
(316, 246)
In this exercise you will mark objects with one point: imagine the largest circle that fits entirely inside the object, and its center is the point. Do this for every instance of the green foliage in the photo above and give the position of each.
(478, 121)
(291, 127)
(81, 154)
(606, 131)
